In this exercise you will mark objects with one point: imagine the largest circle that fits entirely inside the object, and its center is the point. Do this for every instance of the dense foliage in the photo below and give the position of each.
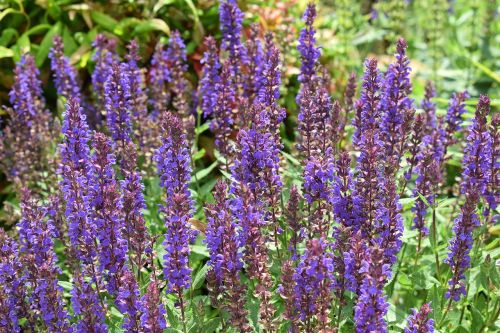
(241, 185)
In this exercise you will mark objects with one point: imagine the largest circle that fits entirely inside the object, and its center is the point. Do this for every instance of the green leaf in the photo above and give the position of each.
(292, 159)
(46, 44)
(486, 70)
(104, 20)
(200, 249)
(200, 277)
(205, 172)
(152, 25)
(5, 52)
(159, 4)
(199, 154)
(202, 128)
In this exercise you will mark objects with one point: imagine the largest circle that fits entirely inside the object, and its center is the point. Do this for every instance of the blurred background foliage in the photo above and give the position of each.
(452, 42)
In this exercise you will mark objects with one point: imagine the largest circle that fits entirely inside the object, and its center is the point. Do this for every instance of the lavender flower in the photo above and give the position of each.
(418, 321)
(368, 113)
(429, 175)
(318, 175)
(138, 97)
(24, 140)
(247, 211)
(366, 185)
(77, 179)
(178, 84)
(158, 76)
(118, 103)
(104, 57)
(128, 302)
(342, 187)
(353, 260)
(371, 306)
(314, 282)
(107, 208)
(225, 258)
(231, 24)
(173, 161)
(210, 77)
(13, 305)
(453, 119)
(65, 76)
(476, 165)
(224, 119)
(134, 230)
(35, 236)
(252, 80)
(395, 106)
(492, 193)
(287, 293)
(153, 317)
(389, 221)
(309, 52)
(86, 306)
(294, 220)
(429, 108)
(350, 92)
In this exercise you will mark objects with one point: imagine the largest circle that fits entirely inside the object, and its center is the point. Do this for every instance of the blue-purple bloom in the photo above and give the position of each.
(371, 306)
(174, 169)
(86, 306)
(429, 108)
(314, 283)
(210, 77)
(419, 321)
(77, 179)
(13, 305)
(231, 25)
(107, 205)
(394, 106)
(476, 164)
(37, 247)
(104, 57)
(453, 119)
(129, 303)
(118, 103)
(309, 52)
(153, 317)
(65, 76)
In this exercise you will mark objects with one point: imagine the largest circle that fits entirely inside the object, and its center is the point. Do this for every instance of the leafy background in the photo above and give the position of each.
(453, 43)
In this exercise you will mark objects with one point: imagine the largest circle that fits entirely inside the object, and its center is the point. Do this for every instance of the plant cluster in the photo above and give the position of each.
(123, 228)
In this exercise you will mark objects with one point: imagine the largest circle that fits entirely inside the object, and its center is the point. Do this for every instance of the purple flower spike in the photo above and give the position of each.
(492, 193)
(134, 231)
(87, 307)
(65, 76)
(476, 163)
(13, 292)
(309, 52)
(252, 80)
(453, 119)
(314, 283)
(395, 107)
(174, 168)
(136, 84)
(371, 306)
(210, 77)
(367, 107)
(429, 108)
(118, 104)
(231, 25)
(104, 57)
(107, 205)
(176, 57)
(24, 140)
(153, 318)
(77, 180)
(419, 322)
(36, 236)
(129, 303)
